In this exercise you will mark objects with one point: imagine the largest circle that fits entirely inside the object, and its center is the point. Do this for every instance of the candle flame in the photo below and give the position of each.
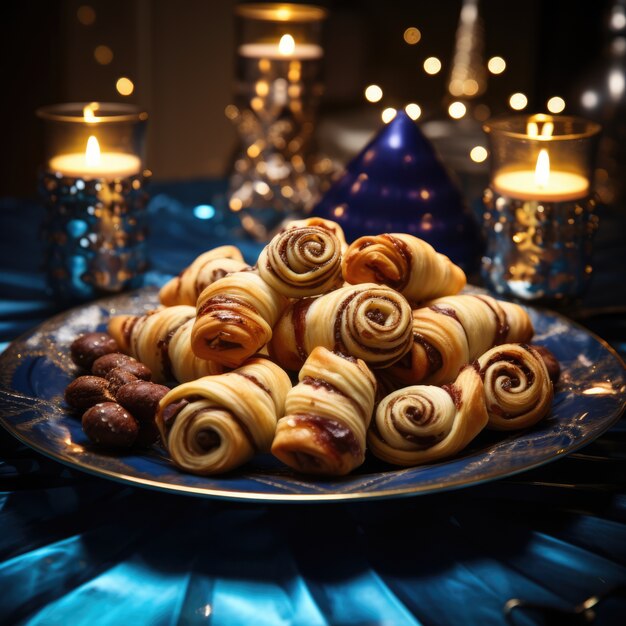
(547, 130)
(89, 112)
(92, 153)
(286, 45)
(542, 170)
(532, 130)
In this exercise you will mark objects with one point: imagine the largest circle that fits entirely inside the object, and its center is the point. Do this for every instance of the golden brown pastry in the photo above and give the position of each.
(161, 340)
(450, 332)
(302, 261)
(326, 415)
(217, 423)
(204, 270)
(518, 389)
(234, 318)
(369, 322)
(320, 222)
(404, 262)
(424, 423)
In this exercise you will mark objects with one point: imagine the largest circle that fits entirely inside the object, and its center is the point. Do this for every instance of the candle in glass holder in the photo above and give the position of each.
(540, 206)
(93, 184)
(278, 173)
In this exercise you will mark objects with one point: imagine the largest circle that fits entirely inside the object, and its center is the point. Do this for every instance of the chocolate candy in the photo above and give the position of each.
(109, 424)
(85, 391)
(119, 377)
(87, 348)
(104, 364)
(551, 363)
(142, 398)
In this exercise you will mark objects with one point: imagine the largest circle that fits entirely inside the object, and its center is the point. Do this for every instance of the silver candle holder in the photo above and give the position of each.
(539, 215)
(93, 185)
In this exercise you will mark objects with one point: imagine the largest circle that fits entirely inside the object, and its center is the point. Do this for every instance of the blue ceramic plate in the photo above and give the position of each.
(36, 368)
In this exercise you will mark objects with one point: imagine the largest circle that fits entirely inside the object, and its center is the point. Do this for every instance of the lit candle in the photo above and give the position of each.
(542, 183)
(95, 164)
(286, 48)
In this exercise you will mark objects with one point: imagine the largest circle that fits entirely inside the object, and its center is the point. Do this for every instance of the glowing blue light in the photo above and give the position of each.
(204, 211)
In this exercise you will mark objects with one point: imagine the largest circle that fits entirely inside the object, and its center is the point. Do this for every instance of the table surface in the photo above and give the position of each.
(76, 549)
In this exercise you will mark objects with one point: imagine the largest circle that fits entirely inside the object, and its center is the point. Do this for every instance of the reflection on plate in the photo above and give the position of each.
(36, 368)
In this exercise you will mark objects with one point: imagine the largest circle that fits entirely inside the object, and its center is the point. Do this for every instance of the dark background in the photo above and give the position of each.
(180, 58)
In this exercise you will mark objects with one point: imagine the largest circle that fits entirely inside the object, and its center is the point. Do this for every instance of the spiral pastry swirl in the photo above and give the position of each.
(423, 423)
(326, 415)
(303, 261)
(518, 389)
(406, 263)
(217, 423)
(161, 340)
(453, 331)
(234, 318)
(203, 271)
(320, 222)
(369, 322)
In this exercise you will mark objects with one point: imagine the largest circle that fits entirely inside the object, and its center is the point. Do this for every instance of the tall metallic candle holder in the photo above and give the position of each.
(540, 207)
(93, 184)
(278, 87)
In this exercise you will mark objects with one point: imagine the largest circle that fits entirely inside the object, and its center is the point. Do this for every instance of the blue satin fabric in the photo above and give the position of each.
(75, 549)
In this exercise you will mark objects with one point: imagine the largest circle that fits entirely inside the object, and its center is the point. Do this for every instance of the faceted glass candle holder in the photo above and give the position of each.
(278, 172)
(93, 185)
(539, 214)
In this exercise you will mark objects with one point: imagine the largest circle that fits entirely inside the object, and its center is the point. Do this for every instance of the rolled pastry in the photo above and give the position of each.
(161, 340)
(450, 332)
(302, 261)
(404, 262)
(327, 415)
(424, 423)
(234, 318)
(203, 271)
(369, 322)
(320, 222)
(225, 419)
(518, 389)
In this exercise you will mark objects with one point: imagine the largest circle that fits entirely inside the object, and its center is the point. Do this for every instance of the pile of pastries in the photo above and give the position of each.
(389, 356)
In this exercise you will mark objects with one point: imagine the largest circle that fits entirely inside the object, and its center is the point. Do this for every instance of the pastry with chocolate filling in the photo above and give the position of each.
(405, 263)
(327, 415)
(234, 318)
(302, 261)
(424, 423)
(369, 322)
(220, 422)
(451, 332)
(161, 340)
(203, 271)
(320, 222)
(518, 389)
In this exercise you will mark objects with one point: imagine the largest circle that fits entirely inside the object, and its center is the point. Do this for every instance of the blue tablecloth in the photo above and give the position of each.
(75, 549)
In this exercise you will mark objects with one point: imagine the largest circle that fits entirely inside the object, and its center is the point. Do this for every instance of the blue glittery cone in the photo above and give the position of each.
(398, 184)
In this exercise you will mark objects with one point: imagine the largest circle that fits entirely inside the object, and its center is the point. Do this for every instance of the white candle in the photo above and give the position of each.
(95, 164)
(542, 183)
(285, 49)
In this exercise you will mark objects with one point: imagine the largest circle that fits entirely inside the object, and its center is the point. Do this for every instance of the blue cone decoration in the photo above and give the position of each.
(398, 184)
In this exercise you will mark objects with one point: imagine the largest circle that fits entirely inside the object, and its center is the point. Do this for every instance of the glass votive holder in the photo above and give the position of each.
(93, 184)
(540, 207)
(279, 58)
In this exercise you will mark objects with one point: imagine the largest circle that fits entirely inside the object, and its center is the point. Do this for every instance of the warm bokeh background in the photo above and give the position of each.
(179, 56)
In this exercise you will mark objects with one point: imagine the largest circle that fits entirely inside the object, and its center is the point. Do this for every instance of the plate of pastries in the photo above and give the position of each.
(327, 370)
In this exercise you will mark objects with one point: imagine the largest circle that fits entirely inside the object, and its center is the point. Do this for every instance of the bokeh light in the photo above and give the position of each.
(124, 86)
(518, 101)
(413, 110)
(457, 110)
(556, 105)
(103, 55)
(373, 93)
(432, 65)
(496, 65)
(478, 154)
(86, 15)
(412, 35)
(388, 114)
